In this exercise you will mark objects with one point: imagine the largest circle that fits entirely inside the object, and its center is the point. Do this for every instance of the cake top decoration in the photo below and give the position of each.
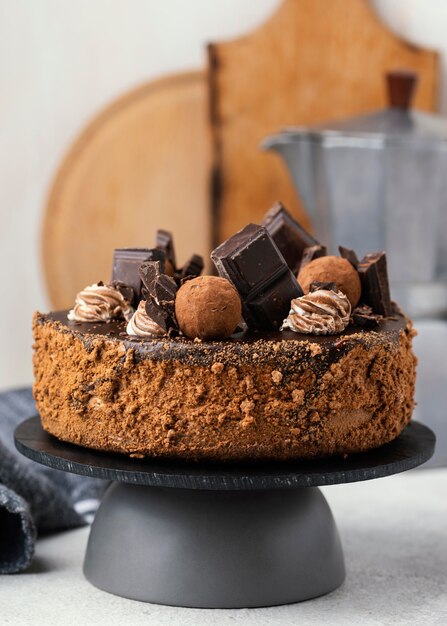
(100, 303)
(374, 277)
(332, 269)
(255, 276)
(320, 312)
(141, 325)
(208, 307)
(252, 262)
(288, 235)
(126, 264)
(159, 292)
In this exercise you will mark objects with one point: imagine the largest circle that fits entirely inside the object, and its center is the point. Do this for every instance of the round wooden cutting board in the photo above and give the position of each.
(144, 163)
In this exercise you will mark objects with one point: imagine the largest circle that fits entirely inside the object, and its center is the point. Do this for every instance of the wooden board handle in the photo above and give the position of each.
(401, 87)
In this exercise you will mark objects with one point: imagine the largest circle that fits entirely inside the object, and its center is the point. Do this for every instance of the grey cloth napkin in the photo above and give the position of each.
(34, 499)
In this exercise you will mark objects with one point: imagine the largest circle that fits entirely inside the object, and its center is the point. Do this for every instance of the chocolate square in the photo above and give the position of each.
(126, 266)
(165, 242)
(288, 235)
(192, 268)
(269, 308)
(349, 255)
(375, 288)
(252, 262)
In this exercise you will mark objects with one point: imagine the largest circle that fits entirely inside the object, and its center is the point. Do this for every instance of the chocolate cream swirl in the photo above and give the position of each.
(321, 312)
(100, 303)
(142, 325)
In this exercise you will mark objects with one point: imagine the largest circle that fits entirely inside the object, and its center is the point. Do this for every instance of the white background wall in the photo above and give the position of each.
(62, 61)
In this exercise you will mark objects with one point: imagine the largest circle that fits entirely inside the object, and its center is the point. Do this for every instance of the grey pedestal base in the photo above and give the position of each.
(215, 549)
(207, 535)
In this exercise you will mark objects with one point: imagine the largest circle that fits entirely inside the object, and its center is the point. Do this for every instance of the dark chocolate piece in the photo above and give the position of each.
(192, 268)
(126, 291)
(164, 289)
(288, 235)
(149, 272)
(251, 261)
(165, 242)
(311, 253)
(317, 285)
(349, 255)
(158, 314)
(365, 321)
(375, 289)
(126, 265)
(159, 293)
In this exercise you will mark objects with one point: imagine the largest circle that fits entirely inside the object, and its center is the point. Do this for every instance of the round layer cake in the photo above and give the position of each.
(277, 395)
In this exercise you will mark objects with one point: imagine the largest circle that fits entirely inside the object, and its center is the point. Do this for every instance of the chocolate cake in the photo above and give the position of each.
(301, 375)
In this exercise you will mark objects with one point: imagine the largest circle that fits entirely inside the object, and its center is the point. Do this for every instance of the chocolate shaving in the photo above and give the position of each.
(311, 253)
(287, 234)
(375, 289)
(317, 285)
(349, 255)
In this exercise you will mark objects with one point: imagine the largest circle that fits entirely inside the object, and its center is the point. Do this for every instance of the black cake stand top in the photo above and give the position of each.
(414, 446)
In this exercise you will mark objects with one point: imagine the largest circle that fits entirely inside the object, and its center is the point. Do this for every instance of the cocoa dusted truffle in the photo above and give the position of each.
(208, 307)
(332, 269)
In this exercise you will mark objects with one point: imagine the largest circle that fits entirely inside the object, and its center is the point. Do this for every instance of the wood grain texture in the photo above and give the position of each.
(314, 60)
(144, 163)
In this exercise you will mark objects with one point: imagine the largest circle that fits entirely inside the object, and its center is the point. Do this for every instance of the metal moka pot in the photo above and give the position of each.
(379, 182)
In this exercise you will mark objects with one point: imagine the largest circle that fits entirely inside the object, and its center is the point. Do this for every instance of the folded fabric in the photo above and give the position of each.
(34, 499)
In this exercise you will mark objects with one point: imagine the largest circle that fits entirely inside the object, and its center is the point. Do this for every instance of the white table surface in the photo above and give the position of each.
(394, 532)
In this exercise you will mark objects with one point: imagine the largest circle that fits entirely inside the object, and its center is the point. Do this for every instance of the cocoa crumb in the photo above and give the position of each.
(276, 377)
(247, 406)
(298, 396)
(217, 368)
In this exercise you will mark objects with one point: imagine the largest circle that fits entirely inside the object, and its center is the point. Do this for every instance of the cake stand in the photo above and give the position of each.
(218, 536)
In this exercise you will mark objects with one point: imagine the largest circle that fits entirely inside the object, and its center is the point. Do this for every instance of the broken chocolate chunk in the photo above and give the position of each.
(165, 242)
(288, 235)
(311, 253)
(158, 314)
(316, 285)
(252, 262)
(126, 291)
(192, 268)
(159, 292)
(364, 321)
(375, 288)
(349, 255)
(149, 272)
(164, 289)
(126, 265)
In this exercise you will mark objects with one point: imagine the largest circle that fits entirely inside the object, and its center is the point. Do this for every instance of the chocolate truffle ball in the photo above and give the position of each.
(208, 307)
(332, 269)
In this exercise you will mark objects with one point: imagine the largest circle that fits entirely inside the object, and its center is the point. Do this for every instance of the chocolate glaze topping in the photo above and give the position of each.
(248, 346)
